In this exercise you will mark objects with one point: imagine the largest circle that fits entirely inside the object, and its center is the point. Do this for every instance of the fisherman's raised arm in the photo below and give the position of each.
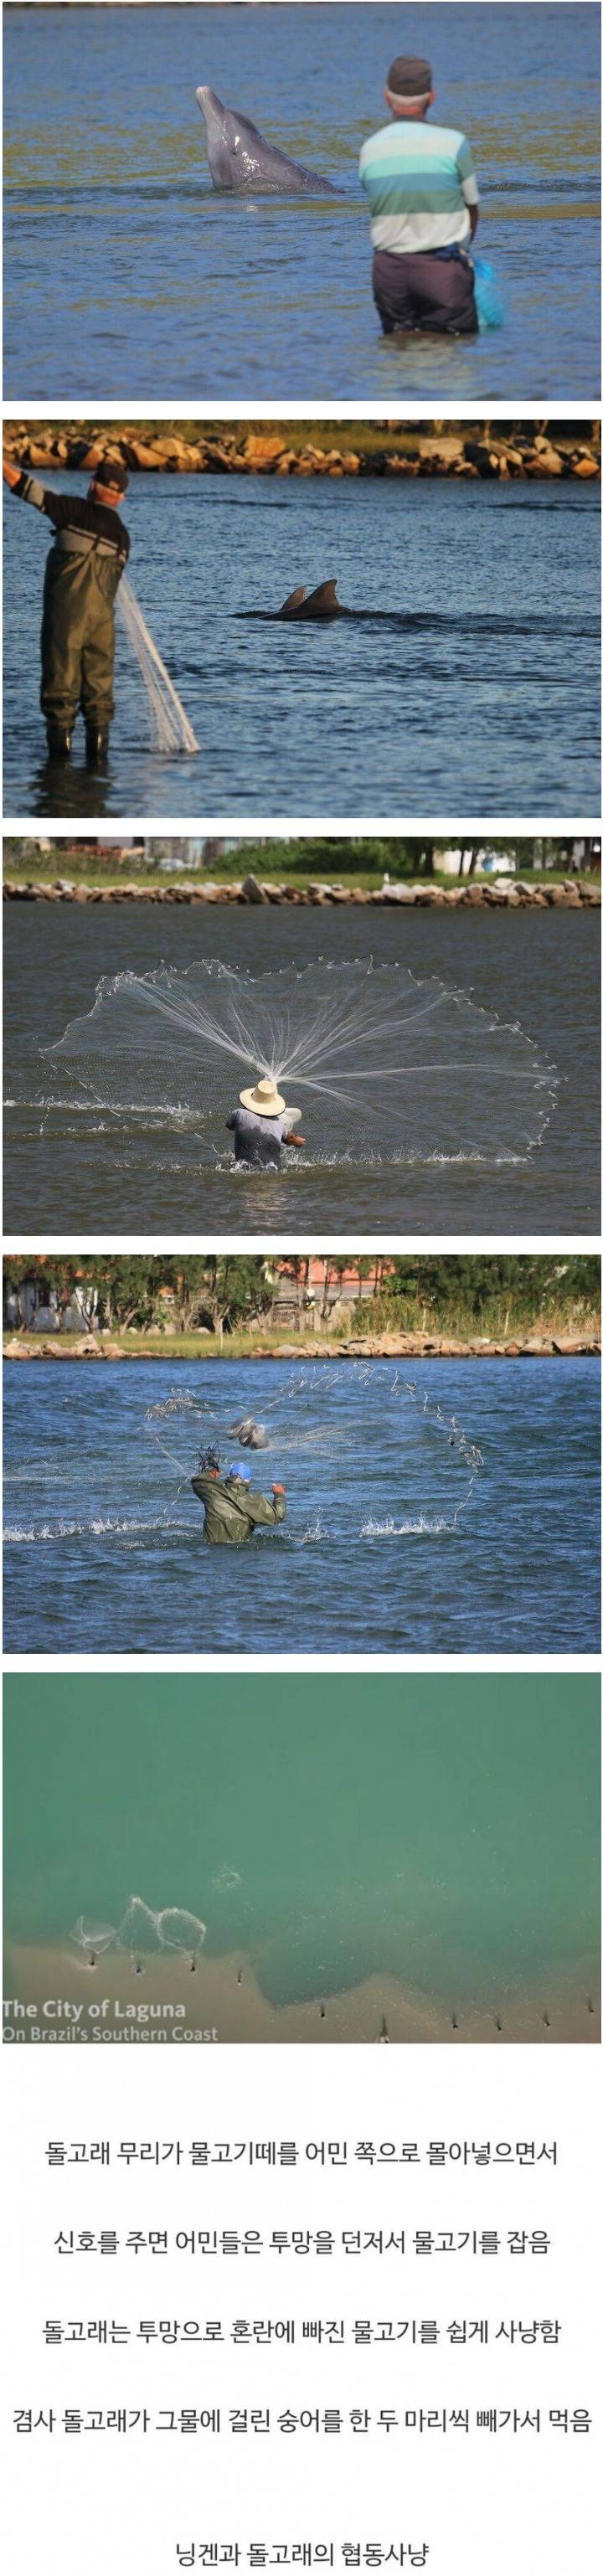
(55, 505)
(264, 1513)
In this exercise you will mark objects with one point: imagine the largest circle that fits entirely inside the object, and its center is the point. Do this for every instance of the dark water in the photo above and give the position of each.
(466, 681)
(96, 1173)
(384, 1549)
(161, 289)
(452, 1843)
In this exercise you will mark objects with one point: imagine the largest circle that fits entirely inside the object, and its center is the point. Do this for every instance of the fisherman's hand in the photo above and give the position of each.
(296, 1140)
(278, 1489)
(11, 473)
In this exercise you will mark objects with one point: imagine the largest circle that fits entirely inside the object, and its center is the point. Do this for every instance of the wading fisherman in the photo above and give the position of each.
(261, 1125)
(423, 197)
(83, 570)
(232, 1510)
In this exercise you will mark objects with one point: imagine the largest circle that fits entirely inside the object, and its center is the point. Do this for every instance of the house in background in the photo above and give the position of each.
(317, 1286)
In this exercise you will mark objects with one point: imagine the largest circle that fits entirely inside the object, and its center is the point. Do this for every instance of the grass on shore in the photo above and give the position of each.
(371, 1321)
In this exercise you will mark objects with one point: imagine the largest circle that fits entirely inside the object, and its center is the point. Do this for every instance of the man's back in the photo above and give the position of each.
(420, 181)
(257, 1140)
(76, 510)
(233, 1511)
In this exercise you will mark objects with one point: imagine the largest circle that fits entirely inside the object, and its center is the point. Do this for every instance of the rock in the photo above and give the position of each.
(253, 892)
(550, 462)
(262, 450)
(143, 457)
(587, 468)
(476, 452)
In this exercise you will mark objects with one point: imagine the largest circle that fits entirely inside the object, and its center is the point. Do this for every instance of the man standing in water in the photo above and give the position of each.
(83, 570)
(261, 1125)
(232, 1510)
(422, 191)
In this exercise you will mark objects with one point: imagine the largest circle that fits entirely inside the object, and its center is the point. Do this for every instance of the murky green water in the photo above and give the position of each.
(440, 1830)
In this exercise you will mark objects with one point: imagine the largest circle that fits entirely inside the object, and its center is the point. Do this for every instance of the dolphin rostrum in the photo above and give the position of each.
(242, 163)
(322, 602)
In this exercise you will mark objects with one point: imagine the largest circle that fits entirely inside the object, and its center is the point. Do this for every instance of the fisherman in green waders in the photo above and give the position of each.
(232, 1510)
(83, 570)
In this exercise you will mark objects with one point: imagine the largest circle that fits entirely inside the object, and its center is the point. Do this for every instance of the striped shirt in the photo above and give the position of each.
(420, 182)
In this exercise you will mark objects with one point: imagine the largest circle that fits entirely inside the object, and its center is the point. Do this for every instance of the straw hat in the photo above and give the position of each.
(264, 1100)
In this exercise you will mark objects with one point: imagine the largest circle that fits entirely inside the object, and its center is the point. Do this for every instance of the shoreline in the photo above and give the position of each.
(223, 2001)
(488, 452)
(571, 892)
(395, 1345)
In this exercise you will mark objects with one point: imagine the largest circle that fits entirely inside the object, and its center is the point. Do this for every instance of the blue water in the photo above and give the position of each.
(103, 1535)
(466, 681)
(161, 289)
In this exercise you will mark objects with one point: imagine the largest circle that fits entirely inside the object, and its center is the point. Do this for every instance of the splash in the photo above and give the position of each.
(142, 1932)
(383, 1065)
(169, 725)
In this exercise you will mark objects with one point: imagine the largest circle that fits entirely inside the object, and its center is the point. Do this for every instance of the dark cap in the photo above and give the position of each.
(408, 77)
(115, 476)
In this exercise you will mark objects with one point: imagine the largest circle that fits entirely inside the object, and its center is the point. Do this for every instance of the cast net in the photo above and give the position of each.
(170, 727)
(381, 1065)
(367, 1450)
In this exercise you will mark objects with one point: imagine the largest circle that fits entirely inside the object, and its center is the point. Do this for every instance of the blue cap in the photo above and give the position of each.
(243, 1472)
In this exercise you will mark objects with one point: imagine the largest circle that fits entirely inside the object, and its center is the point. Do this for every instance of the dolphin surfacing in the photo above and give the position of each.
(243, 165)
(322, 602)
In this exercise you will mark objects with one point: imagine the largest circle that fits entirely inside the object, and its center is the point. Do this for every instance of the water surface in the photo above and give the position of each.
(392, 1543)
(466, 681)
(447, 1851)
(145, 1176)
(166, 290)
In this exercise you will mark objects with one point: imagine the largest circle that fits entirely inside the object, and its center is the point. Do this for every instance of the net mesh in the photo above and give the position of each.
(380, 1064)
(170, 727)
(431, 1460)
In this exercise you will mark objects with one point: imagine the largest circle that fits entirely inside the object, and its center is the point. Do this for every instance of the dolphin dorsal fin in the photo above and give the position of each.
(294, 599)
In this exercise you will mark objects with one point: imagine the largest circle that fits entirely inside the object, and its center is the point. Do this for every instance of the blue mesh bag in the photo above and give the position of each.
(490, 308)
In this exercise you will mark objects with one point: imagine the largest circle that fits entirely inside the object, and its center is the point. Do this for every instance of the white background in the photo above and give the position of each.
(96, 2502)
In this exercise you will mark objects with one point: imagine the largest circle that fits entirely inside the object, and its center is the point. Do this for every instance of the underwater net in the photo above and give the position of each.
(384, 1065)
(169, 724)
(142, 1933)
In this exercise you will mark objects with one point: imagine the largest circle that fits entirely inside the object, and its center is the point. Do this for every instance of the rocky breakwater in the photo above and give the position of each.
(57, 1346)
(357, 1346)
(472, 892)
(489, 453)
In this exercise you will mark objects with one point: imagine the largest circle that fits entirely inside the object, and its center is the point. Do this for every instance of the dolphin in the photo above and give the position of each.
(244, 165)
(252, 1435)
(322, 602)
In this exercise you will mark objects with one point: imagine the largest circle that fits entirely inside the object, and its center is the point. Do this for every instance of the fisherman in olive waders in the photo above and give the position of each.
(232, 1510)
(83, 570)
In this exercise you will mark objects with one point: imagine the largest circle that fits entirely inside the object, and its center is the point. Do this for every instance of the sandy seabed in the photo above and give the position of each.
(55, 1997)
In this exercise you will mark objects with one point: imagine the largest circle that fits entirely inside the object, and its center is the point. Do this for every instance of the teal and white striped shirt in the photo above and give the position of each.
(420, 182)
